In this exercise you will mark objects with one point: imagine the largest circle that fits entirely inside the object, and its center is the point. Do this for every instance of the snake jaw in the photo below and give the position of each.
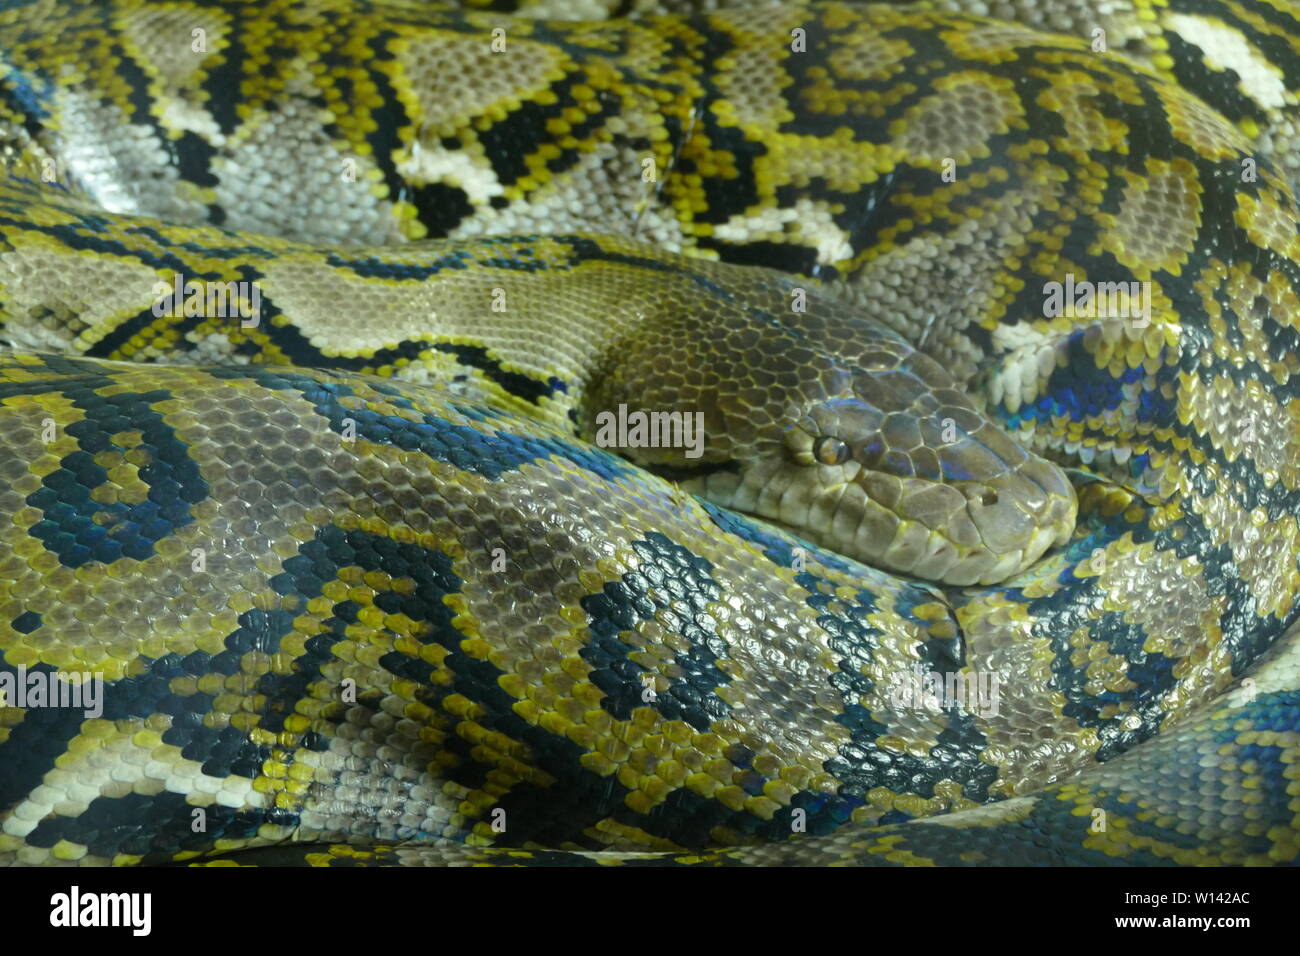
(971, 533)
(979, 510)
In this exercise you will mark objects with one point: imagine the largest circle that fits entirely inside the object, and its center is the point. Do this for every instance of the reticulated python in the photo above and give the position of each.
(433, 618)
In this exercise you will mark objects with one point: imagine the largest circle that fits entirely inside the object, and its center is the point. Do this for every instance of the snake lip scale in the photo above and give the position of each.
(802, 434)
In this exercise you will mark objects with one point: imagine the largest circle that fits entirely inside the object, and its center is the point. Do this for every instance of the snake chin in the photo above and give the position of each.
(954, 534)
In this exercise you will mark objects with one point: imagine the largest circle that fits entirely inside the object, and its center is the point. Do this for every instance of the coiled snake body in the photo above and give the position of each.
(365, 585)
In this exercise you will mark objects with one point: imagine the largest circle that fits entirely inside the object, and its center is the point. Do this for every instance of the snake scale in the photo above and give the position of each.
(313, 314)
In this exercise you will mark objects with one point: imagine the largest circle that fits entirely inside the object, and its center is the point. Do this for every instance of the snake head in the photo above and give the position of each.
(893, 465)
(831, 425)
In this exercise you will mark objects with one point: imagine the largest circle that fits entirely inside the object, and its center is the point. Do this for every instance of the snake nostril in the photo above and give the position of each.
(988, 497)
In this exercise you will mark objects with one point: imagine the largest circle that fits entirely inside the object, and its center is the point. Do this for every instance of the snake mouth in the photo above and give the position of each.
(685, 475)
(961, 533)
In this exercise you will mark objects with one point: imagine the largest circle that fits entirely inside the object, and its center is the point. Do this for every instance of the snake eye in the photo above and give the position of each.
(831, 451)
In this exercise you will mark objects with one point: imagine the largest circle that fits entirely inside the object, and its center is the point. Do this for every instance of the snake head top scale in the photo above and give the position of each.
(830, 425)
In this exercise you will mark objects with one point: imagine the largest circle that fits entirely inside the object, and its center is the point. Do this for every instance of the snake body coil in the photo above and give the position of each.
(314, 313)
